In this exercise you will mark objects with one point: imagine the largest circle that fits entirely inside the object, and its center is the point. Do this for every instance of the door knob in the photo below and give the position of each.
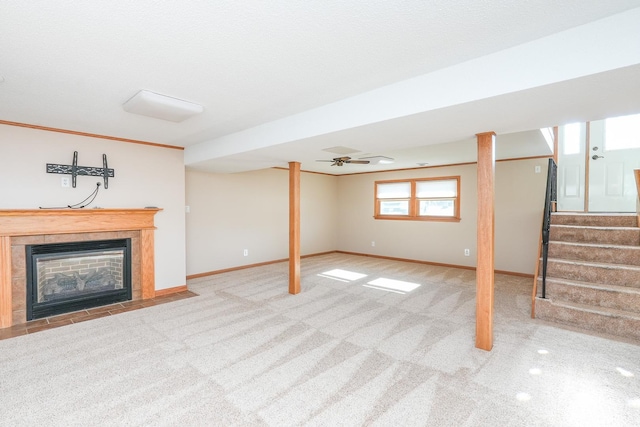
(596, 157)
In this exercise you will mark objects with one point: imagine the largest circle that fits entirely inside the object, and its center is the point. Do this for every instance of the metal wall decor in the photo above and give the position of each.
(74, 170)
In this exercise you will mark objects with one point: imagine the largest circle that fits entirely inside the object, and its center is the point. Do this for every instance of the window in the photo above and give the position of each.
(430, 199)
(622, 133)
(572, 138)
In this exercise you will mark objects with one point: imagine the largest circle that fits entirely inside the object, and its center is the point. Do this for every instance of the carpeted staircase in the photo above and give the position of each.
(593, 273)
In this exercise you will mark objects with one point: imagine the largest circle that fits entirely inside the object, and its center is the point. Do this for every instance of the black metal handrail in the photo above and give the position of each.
(549, 199)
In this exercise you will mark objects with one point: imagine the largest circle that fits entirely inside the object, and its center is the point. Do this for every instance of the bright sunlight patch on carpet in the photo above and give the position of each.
(391, 285)
(342, 275)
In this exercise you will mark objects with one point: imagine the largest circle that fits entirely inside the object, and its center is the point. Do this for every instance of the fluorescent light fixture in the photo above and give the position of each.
(162, 107)
(378, 160)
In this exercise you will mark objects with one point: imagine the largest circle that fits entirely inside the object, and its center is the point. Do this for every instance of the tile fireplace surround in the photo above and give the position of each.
(34, 226)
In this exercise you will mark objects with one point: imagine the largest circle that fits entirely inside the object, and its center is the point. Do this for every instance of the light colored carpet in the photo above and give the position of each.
(246, 353)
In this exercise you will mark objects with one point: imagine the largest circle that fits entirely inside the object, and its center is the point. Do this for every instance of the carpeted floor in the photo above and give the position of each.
(344, 352)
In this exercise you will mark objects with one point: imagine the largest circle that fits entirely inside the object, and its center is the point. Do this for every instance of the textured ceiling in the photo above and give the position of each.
(71, 65)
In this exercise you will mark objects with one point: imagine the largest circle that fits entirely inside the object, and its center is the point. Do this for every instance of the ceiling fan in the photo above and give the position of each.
(339, 161)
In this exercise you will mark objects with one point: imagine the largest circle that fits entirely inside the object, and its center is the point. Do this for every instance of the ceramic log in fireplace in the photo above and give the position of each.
(73, 276)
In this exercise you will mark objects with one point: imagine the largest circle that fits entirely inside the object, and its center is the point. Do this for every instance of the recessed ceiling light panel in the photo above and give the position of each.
(162, 107)
(340, 150)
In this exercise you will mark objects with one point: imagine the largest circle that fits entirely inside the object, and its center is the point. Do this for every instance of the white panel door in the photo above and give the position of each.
(614, 146)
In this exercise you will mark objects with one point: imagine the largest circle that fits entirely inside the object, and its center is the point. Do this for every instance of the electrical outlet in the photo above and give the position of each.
(467, 252)
(373, 243)
(65, 181)
(537, 169)
(187, 209)
(245, 252)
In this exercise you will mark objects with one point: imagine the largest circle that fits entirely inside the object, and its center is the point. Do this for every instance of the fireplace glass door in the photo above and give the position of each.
(73, 276)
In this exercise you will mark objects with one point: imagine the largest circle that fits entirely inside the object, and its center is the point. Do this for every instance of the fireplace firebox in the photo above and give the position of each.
(65, 277)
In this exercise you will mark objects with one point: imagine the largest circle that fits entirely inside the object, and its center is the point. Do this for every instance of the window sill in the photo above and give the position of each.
(418, 218)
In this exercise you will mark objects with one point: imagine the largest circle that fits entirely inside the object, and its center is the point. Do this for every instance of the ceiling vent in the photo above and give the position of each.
(162, 107)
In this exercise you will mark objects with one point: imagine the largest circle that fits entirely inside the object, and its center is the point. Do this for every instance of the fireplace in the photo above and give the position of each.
(22, 227)
(71, 276)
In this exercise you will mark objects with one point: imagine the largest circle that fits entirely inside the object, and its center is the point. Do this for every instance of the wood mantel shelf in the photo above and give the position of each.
(29, 222)
(43, 222)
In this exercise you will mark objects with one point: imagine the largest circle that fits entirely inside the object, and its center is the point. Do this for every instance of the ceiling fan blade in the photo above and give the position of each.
(340, 161)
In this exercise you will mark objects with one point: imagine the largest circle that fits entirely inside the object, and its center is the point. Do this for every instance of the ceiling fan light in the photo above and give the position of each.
(162, 107)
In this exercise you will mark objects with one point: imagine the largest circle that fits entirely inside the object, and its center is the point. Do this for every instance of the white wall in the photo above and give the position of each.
(144, 176)
(519, 201)
(250, 210)
(232, 212)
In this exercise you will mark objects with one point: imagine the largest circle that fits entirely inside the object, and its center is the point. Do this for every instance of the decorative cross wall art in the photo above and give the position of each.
(74, 170)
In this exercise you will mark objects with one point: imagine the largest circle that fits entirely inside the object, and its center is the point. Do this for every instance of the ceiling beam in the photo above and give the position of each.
(614, 41)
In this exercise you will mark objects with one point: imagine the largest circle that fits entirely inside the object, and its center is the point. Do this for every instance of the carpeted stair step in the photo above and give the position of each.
(602, 296)
(608, 321)
(629, 236)
(595, 220)
(593, 272)
(590, 252)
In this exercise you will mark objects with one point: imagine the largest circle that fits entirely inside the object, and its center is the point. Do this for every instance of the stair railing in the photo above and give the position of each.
(550, 199)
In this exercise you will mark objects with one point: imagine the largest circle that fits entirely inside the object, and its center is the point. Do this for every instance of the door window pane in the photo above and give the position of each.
(571, 138)
(622, 133)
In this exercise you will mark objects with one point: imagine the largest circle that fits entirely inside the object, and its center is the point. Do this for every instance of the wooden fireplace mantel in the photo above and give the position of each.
(33, 222)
